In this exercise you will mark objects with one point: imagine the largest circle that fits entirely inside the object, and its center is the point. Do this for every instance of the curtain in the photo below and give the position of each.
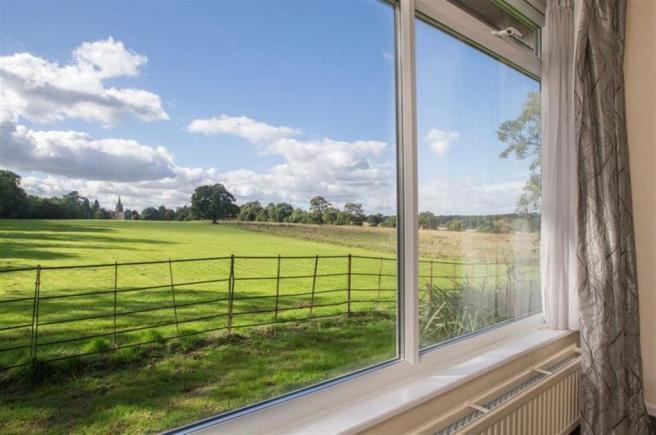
(558, 248)
(612, 389)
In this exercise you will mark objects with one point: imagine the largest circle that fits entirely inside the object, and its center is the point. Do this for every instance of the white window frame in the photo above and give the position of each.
(323, 397)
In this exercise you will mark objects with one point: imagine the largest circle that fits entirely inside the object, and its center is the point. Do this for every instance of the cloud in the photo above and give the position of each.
(78, 155)
(241, 126)
(440, 141)
(446, 196)
(41, 91)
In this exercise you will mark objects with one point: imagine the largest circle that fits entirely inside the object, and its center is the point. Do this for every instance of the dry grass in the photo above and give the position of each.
(444, 245)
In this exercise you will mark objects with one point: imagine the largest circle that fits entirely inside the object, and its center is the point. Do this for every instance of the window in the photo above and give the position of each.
(478, 148)
(199, 202)
(128, 129)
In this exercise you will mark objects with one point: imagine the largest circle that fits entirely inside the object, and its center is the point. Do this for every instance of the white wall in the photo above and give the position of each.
(640, 75)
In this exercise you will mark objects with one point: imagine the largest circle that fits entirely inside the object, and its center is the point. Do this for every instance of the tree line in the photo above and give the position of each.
(215, 202)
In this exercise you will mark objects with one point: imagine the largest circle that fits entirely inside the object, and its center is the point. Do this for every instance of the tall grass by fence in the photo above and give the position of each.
(50, 313)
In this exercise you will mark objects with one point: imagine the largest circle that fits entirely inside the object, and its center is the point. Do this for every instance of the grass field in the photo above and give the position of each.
(148, 309)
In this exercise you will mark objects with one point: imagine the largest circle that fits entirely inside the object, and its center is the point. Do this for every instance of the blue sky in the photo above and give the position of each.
(297, 99)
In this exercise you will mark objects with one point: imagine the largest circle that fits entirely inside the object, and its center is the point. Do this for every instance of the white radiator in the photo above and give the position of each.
(543, 400)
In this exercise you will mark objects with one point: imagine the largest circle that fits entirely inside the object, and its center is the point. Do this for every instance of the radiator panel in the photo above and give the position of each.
(543, 400)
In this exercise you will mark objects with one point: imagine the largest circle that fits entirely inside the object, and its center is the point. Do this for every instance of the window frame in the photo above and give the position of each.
(410, 360)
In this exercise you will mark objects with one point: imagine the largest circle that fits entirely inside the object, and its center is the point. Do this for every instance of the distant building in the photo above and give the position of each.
(119, 214)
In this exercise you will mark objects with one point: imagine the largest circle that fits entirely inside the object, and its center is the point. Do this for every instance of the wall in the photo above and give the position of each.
(640, 76)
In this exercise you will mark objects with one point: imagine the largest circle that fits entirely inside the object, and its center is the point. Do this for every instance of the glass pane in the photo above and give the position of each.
(479, 189)
(128, 129)
(499, 16)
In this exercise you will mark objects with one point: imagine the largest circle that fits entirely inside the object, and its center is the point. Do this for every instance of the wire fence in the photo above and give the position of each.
(50, 313)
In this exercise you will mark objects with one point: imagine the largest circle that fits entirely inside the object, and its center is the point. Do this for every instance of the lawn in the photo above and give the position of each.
(185, 311)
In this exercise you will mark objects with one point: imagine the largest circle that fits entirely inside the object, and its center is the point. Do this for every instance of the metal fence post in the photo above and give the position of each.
(231, 290)
(277, 289)
(348, 288)
(175, 305)
(431, 273)
(35, 312)
(380, 278)
(115, 298)
(314, 283)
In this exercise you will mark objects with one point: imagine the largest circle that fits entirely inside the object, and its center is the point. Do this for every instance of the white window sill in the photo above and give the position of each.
(360, 402)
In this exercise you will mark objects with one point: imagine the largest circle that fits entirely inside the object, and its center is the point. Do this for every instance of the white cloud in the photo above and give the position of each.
(450, 196)
(41, 91)
(78, 155)
(109, 58)
(241, 126)
(440, 141)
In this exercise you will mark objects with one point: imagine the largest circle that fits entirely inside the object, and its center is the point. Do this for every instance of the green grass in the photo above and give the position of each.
(212, 373)
(168, 387)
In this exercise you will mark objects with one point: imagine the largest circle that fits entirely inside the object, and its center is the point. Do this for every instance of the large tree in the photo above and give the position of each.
(213, 202)
(522, 138)
(318, 206)
(13, 200)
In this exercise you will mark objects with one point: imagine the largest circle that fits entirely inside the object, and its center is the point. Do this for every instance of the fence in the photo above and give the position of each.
(45, 316)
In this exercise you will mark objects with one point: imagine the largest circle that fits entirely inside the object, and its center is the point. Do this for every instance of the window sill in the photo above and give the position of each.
(375, 396)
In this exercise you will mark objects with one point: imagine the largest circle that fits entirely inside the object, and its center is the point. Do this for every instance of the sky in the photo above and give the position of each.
(278, 100)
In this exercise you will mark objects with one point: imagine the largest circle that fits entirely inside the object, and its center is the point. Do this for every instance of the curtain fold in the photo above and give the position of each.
(612, 388)
(558, 248)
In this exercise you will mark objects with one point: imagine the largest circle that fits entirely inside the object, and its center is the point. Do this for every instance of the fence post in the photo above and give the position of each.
(496, 288)
(175, 306)
(277, 289)
(35, 313)
(380, 276)
(431, 274)
(231, 290)
(348, 288)
(115, 298)
(314, 283)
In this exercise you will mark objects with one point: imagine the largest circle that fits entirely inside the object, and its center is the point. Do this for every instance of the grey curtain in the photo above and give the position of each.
(612, 389)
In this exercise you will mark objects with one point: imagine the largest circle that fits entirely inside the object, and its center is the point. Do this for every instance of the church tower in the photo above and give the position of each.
(119, 214)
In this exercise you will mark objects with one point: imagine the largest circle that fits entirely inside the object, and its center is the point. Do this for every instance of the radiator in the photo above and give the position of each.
(543, 400)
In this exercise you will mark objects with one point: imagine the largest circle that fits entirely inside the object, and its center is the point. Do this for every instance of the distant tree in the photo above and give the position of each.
(13, 200)
(375, 219)
(343, 218)
(522, 137)
(169, 215)
(282, 211)
(150, 214)
(213, 202)
(354, 212)
(318, 206)
(389, 222)
(85, 209)
(427, 220)
(455, 225)
(183, 213)
(330, 215)
(249, 211)
(94, 208)
(300, 216)
(101, 213)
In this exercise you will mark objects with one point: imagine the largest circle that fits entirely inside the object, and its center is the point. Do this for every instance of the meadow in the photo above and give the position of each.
(288, 316)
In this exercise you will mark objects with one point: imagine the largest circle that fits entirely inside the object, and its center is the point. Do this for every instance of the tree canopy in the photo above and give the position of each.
(213, 202)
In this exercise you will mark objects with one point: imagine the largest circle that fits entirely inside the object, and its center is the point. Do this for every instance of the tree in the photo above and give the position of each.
(427, 220)
(354, 212)
(213, 202)
(249, 211)
(375, 219)
(13, 200)
(282, 211)
(318, 206)
(522, 137)
(389, 222)
(149, 214)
